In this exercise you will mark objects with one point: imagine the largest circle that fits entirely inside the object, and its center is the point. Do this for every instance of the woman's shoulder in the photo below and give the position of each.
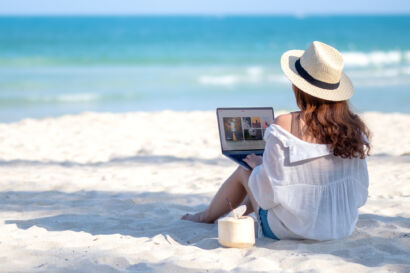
(281, 126)
(284, 121)
(280, 130)
(299, 149)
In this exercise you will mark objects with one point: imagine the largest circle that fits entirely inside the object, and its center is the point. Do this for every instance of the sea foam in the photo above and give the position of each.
(252, 75)
(81, 97)
(375, 58)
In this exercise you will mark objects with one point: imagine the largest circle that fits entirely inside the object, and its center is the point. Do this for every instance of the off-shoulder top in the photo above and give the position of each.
(309, 193)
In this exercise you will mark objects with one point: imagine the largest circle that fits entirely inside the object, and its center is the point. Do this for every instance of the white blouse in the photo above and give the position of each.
(309, 193)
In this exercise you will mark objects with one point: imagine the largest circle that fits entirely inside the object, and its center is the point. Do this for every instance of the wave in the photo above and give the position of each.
(394, 72)
(352, 59)
(252, 75)
(359, 65)
(368, 76)
(375, 58)
(48, 99)
(81, 97)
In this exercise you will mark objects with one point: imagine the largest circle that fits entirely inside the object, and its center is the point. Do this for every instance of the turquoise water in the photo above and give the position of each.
(51, 66)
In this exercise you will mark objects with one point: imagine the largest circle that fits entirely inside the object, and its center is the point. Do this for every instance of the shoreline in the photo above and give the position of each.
(80, 113)
(150, 120)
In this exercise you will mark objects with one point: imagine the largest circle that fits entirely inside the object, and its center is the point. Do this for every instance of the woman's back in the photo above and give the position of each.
(309, 192)
(314, 176)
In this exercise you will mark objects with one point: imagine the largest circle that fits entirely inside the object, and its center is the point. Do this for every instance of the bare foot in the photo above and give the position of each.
(192, 217)
(197, 217)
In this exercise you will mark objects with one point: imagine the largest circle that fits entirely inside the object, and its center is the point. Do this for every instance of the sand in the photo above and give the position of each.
(104, 193)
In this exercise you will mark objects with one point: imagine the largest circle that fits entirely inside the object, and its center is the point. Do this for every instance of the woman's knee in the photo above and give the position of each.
(242, 171)
(243, 174)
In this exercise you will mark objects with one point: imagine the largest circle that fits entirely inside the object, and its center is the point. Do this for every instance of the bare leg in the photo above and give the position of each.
(248, 204)
(232, 189)
(251, 205)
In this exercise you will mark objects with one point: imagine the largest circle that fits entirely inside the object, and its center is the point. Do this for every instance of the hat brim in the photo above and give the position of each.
(343, 92)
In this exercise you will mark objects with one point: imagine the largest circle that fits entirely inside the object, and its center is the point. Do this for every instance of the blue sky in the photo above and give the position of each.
(296, 7)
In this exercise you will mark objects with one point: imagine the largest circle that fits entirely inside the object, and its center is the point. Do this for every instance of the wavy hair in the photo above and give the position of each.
(332, 123)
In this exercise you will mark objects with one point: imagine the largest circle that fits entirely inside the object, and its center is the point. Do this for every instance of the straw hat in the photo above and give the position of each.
(318, 72)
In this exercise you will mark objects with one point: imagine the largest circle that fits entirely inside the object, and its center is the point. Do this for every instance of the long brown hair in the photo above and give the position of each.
(332, 123)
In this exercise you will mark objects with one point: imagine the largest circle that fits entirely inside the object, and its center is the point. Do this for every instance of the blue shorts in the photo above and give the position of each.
(267, 232)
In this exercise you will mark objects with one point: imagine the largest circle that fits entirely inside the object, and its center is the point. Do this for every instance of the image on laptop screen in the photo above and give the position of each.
(243, 128)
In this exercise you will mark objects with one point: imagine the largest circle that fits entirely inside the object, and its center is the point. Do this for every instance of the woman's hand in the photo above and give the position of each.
(253, 160)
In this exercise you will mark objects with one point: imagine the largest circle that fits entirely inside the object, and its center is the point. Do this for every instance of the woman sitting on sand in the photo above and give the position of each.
(313, 175)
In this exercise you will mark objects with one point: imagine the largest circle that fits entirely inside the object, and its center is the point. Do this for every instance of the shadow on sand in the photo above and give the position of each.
(148, 214)
(143, 214)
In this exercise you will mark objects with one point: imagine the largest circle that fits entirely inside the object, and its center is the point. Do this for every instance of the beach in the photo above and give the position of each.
(104, 192)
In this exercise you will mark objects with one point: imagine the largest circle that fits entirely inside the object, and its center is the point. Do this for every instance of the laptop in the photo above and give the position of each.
(241, 131)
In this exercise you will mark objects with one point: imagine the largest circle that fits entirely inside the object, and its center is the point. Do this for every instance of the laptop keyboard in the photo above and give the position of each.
(238, 157)
(241, 156)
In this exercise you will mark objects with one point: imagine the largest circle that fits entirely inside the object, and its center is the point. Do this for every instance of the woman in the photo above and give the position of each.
(313, 175)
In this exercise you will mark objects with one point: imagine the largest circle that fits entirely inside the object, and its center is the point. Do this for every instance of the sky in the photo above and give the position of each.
(217, 7)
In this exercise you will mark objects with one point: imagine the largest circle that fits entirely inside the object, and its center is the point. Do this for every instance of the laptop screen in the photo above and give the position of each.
(243, 128)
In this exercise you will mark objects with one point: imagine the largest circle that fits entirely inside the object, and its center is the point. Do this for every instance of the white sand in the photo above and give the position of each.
(104, 193)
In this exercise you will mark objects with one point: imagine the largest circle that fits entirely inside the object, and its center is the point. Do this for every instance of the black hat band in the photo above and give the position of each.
(304, 74)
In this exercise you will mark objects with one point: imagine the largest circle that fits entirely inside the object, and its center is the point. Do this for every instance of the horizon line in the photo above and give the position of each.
(202, 14)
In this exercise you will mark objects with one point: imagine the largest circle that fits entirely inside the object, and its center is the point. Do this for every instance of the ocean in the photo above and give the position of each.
(51, 66)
